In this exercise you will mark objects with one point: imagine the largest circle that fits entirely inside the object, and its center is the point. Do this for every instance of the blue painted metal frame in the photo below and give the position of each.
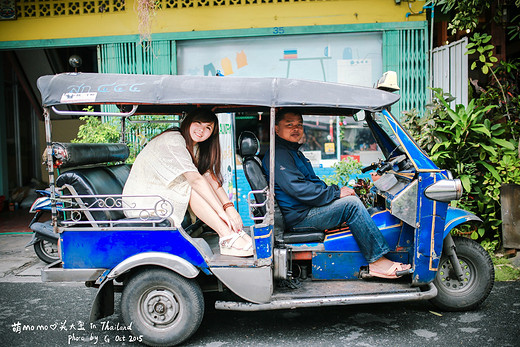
(431, 215)
(342, 258)
(418, 157)
(87, 249)
(456, 216)
(264, 241)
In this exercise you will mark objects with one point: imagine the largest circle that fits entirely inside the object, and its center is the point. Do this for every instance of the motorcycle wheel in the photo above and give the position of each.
(163, 307)
(46, 251)
(476, 284)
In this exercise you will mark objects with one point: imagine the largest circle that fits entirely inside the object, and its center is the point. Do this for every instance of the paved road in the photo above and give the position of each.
(50, 314)
(39, 314)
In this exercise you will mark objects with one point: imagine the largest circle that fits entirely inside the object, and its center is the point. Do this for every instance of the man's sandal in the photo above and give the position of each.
(395, 271)
(227, 247)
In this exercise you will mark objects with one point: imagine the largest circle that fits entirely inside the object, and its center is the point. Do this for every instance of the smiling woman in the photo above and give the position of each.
(183, 167)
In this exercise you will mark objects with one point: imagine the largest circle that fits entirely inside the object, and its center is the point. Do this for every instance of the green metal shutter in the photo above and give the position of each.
(405, 52)
(156, 58)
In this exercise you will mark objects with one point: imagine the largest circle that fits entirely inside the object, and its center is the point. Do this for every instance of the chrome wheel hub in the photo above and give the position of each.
(448, 278)
(160, 307)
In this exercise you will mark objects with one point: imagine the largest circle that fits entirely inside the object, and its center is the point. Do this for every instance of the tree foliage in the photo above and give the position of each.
(466, 14)
(96, 131)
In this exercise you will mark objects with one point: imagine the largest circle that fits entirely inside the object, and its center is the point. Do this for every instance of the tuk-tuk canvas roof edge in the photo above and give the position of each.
(97, 88)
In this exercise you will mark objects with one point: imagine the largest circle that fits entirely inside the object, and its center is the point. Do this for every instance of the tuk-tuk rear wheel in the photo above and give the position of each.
(478, 277)
(162, 306)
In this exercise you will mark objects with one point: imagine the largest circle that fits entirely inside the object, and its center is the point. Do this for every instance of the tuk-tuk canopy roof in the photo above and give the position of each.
(225, 94)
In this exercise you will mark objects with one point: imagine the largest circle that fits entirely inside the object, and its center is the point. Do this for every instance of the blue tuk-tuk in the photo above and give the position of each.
(164, 270)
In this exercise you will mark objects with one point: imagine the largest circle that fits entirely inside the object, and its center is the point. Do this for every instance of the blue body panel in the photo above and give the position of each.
(105, 249)
(342, 258)
(429, 236)
(389, 225)
(456, 216)
(264, 241)
(336, 265)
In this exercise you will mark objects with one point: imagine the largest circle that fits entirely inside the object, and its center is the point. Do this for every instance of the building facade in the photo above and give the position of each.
(344, 41)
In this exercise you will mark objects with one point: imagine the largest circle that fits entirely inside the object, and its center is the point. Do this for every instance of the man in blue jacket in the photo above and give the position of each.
(308, 204)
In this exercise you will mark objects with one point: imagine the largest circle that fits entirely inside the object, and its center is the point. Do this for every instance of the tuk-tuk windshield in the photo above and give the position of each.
(327, 139)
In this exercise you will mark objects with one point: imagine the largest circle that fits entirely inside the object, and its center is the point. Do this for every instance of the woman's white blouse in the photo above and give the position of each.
(158, 170)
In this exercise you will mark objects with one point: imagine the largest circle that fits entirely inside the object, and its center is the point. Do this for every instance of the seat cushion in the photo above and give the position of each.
(96, 181)
(311, 236)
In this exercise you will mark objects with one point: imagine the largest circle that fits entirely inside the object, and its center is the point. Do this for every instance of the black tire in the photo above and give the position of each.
(46, 251)
(163, 307)
(478, 279)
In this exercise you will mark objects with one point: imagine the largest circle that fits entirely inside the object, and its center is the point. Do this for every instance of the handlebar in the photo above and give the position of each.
(368, 168)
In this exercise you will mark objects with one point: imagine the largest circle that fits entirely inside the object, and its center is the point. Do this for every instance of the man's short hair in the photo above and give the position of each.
(283, 111)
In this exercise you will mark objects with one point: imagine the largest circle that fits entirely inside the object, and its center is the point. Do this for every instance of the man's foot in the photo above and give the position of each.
(385, 268)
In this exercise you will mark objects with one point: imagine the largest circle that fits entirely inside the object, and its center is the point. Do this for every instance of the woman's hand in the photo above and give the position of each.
(235, 219)
(223, 215)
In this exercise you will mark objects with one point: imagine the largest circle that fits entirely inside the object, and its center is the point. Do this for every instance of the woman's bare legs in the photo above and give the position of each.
(205, 212)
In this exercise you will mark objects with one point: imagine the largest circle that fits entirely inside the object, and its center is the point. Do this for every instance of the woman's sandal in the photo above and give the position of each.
(391, 272)
(245, 236)
(227, 247)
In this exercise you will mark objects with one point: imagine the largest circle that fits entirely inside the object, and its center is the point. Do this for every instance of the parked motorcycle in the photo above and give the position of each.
(44, 240)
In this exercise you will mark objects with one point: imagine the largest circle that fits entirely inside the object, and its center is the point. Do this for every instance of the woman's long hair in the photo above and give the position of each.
(209, 150)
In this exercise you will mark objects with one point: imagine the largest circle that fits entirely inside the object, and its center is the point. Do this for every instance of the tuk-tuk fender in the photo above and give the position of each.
(103, 305)
(169, 261)
(456, 216)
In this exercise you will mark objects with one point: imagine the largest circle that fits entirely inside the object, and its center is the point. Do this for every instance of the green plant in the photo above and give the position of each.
(514, 28)
(464, 138)
(137, 134)
(95, 131)
(343, 170)
(480, 44)
(467, 12)
(477, 146)
(504, 269)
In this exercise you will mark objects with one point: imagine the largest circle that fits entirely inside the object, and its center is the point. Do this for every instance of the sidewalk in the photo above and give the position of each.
(17, 263)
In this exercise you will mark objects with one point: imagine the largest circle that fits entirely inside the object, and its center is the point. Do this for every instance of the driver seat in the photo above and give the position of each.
(248, 148)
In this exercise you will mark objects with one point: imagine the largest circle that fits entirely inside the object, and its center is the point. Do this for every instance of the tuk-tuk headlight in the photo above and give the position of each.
(445, 190)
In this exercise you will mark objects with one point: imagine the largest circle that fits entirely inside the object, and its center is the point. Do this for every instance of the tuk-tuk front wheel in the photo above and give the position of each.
(162, 307)
(478, 277)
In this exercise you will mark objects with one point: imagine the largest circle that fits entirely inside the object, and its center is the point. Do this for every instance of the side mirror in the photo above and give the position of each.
(360, 116)
(388, 82)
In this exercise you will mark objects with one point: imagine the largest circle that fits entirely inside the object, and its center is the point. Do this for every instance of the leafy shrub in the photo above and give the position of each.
(95, 131)
(343, 170)
(137, 134)
(477, 144)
